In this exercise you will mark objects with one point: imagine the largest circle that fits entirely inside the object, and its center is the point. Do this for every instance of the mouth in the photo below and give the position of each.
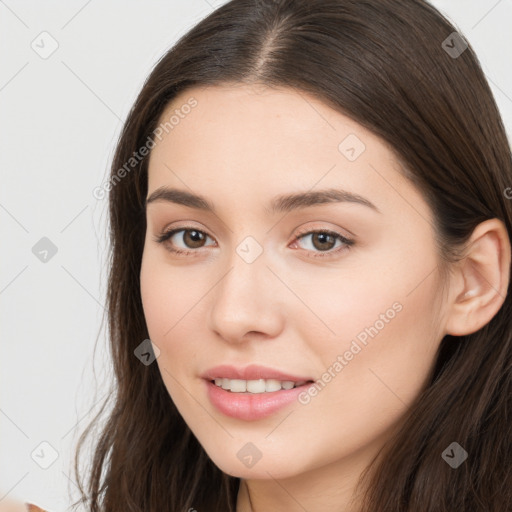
(259, 386)
(252, 400)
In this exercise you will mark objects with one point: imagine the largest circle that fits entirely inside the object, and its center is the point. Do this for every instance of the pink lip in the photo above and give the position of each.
(251, 372)
(251, 406)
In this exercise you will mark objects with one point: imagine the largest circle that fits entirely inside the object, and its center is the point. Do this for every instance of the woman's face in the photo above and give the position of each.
(264, 286)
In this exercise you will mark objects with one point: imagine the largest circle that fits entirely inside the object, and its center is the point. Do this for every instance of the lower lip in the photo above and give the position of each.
(251, 406)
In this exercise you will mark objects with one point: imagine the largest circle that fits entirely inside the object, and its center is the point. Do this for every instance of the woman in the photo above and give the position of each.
(308, 294)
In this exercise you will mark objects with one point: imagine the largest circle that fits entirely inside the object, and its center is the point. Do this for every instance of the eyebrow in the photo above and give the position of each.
(283, 203)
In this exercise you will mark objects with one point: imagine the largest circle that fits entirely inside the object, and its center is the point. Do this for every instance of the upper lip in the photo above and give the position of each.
(251, 372)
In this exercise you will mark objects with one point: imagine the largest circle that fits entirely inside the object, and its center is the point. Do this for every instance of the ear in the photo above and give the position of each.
(481, 280)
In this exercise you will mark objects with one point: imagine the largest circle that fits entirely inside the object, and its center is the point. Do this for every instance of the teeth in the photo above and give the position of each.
(273, 385)
(255, 386)
(238, 386)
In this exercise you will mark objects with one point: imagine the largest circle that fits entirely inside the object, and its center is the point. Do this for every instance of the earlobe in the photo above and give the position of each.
(482, 279)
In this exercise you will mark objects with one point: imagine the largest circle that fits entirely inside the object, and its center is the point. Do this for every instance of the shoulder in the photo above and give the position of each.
(9, 505)
(34, 508)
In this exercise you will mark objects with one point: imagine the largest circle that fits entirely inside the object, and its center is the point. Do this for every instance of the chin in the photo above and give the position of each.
(264, 469)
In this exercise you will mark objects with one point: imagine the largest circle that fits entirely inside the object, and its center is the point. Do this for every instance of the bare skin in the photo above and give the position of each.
(304, 300)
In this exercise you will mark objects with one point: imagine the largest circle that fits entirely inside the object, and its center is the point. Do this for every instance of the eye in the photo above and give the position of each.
(320, 239)
(323, 240)
(192, 237)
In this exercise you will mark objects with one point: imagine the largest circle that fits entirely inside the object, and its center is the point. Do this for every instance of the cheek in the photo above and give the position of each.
(378, 335)
(168, 301)
(371, 374)
(172, 300)
(388, 294)
(383, 355)
(167, 295)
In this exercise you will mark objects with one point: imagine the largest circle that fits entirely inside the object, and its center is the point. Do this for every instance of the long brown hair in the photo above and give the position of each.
(395, 67)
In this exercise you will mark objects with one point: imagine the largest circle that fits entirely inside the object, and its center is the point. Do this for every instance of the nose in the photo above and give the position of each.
(246, 302)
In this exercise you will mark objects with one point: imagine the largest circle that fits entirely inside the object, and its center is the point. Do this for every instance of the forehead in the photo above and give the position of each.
(262, 141)
(261, 115)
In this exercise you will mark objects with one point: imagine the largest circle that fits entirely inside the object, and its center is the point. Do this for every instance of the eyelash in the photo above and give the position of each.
(162, 238)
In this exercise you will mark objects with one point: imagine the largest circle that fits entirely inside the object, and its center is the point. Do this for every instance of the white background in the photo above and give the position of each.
(59, 120)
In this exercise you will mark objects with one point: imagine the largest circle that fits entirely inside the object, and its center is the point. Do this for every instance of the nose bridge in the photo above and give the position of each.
(244, 299)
